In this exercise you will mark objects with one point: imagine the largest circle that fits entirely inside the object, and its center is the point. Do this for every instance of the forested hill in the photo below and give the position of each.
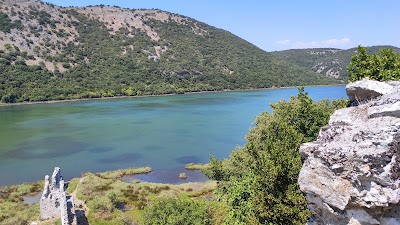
(51, 53)
(330, 62)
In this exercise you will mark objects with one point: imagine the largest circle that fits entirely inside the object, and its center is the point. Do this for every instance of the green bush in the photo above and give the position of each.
(180, 210)
(382, 67)
(104, 204)
(5, 23)
(9, 98)
(259, 181)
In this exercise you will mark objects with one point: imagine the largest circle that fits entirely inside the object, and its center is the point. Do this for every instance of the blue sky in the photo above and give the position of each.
(277, 25)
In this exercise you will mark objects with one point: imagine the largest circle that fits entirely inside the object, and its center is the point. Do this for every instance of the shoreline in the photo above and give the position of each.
(120, 174)
(87, 189)
(158, 95)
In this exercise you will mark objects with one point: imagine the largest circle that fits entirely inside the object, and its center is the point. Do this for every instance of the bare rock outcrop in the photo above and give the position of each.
(351, 173)
(365, 90)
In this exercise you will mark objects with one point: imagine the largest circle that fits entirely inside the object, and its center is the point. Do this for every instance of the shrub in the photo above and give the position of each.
(104, 204)
(382, 67)
(5, 23)
(180, 210)
(9, 98)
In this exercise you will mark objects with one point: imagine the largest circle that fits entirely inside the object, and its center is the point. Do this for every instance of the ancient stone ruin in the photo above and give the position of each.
(54, 202)
(351, 173)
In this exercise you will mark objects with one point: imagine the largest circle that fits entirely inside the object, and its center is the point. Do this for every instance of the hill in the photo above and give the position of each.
(330, 62)
(53, 53)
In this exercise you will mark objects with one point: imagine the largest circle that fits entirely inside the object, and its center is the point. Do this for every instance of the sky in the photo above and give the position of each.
(284, 24)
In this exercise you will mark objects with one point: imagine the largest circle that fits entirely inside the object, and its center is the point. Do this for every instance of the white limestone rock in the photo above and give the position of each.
(351, 173)
(366, 89)
(385, 110)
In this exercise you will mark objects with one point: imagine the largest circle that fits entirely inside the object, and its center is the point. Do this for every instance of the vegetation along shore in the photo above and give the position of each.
(143, 96)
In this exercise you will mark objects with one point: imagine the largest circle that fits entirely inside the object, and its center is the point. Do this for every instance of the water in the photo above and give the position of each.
(168, 176)
(164, 132)
(32, 199)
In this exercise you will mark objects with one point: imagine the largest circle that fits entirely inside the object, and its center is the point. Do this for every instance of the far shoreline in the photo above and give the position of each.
(159, 95)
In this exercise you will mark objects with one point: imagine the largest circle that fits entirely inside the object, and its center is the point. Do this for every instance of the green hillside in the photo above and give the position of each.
(53, 53)
(330, 62)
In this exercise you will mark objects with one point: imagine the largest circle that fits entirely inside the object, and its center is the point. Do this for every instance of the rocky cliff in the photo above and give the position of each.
(351, 173)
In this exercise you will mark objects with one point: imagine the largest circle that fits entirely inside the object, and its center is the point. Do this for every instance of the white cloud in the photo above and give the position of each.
(282, 42)
(330, 43)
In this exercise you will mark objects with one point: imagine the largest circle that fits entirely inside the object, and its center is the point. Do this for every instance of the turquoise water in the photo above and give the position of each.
(164, 132)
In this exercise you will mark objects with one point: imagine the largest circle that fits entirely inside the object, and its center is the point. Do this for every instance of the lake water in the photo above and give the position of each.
(164, 132)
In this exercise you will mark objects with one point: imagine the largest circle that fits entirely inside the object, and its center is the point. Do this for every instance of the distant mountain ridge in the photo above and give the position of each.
(330, 62)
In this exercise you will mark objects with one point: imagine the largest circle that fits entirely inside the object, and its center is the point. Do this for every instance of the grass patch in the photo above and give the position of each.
(72, 184)
(113, 201)
(110, 200)
(197, 166)
(115, 174)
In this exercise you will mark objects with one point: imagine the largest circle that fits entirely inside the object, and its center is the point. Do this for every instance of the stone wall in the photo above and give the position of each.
(351, 173)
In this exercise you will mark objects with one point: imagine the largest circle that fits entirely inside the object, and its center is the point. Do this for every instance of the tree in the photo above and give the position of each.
(383, 67)
(9, 98)
(259, 181)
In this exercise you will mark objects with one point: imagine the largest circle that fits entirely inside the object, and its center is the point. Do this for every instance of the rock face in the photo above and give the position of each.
(54, 202)
(366, 89)
(351, 173)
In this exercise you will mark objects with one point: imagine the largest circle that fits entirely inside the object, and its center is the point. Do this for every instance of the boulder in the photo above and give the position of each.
(351, 173)
(183, 176)
(366, 90)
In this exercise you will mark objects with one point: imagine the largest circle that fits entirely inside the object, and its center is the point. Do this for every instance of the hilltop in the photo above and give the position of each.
(330, 62)
(49, 52)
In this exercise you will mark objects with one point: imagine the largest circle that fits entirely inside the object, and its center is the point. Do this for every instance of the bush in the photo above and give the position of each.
(259, 181)
(180, 210)
(9, 98)
(383, 67)
(104, 204)
(5, 23)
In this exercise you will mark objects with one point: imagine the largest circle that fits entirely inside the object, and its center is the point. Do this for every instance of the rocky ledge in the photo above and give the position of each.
(351, 173)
